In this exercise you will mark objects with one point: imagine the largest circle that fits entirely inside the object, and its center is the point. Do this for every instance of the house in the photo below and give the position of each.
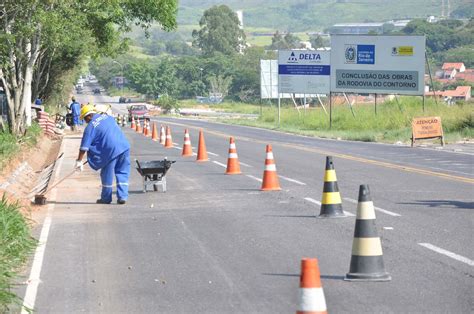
(467, 76)
(450, 66)
(460, 93)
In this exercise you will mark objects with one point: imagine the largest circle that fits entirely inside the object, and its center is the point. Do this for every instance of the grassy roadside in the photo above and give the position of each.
(391, 124)
(11, 145)
(16, 245)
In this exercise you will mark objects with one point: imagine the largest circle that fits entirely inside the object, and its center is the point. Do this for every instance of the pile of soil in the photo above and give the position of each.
(27, 167)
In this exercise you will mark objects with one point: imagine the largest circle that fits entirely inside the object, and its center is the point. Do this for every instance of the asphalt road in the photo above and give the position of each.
(215, 243)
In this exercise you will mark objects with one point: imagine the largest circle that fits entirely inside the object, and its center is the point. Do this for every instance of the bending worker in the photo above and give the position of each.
(107, 149)
(75, 108)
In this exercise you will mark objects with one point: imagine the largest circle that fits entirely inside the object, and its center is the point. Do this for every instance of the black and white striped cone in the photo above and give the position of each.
(367, 256)
(331, 203)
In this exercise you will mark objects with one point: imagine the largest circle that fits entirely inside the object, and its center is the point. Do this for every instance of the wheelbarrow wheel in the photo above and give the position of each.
(155, 187)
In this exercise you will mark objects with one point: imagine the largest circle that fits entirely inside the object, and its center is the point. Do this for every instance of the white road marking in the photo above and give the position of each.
(312, 200)
(244, 164)
(220, 164)
(448, 253)
(175, 144)
(292, 180)
(34, 278)
(375, 207)
(255, 178)
(177, 147)
(387, 228)
(212, 154)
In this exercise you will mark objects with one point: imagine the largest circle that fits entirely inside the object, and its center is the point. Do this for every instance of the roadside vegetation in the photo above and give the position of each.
(11, 145)
(16, 245)
(391, 124)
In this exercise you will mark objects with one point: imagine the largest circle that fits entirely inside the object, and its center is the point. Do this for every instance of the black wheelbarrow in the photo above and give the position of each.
(154, 172)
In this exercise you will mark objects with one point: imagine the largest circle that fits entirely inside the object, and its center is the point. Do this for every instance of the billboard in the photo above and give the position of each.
(378, 64)
(304, 71)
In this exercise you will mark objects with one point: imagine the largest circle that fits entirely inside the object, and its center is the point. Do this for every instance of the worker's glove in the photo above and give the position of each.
(79, 165)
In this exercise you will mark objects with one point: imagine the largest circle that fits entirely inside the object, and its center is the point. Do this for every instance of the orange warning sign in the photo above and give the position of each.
(428, 127)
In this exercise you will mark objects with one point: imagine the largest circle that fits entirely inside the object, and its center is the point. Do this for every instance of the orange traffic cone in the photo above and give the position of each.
(187, 148)
(202, 152)
(148, 131)
(169, 141)
(270, 178)
(139, 127)
(311, 298)
(233, 165)
(133, 126)
(162, 135)
(144, 131)
(154, 133)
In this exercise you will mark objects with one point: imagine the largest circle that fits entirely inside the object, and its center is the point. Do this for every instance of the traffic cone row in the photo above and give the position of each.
(367, 257)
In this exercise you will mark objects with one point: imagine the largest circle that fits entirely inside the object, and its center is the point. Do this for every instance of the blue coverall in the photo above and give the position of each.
(76, 112)
(108, 149)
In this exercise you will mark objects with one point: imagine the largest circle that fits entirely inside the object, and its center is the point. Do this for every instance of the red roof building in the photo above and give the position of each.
(458, 66)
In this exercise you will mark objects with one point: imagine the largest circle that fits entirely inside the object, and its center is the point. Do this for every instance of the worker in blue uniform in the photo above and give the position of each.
(75, 108)
(108, 150)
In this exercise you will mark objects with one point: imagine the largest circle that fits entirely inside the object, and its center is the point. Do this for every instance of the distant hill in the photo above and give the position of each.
(305, 15)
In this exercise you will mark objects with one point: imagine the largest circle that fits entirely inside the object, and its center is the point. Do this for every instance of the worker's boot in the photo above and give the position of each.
(101, 201)
(121, 202)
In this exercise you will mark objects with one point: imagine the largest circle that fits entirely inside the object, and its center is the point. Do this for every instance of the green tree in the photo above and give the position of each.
(287, 41)
(318, 42)
(35, 34)
(220, 32)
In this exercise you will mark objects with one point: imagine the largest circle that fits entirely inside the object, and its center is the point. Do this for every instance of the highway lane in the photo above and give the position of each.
(216, 244)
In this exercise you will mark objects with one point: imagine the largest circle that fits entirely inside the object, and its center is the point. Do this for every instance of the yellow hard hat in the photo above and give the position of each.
(86, 110)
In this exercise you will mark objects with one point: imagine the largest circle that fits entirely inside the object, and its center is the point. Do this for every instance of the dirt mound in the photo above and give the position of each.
(19, 177)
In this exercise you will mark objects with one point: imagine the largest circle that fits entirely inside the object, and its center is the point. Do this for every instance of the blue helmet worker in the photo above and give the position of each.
(75, 108)
(108, 150)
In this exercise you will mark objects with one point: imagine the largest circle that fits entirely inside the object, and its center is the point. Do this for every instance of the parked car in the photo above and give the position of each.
(96, 91)
(123, 100)
(140, 111)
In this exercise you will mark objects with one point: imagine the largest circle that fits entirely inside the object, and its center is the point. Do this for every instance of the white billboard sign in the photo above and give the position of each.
(304, 71)
(268, 79)
(378, 64)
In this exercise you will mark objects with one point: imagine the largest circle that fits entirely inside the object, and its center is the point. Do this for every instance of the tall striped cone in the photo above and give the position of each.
(187, 148)
(202, 152)
(154, 133)
(169, 140)
(162, 135)
(270, 180)
(133, 126)
(331, 204)
(311, 296)
(233, 165)
(139, 127)
(367, 256)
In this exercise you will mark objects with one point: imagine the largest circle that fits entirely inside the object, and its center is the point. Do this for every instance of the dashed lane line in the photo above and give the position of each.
(375, 207)
(245, 165)
(212, 154)
(452, 255)
(312, 200)
(220, 164)
(292, 180)
(255, 178)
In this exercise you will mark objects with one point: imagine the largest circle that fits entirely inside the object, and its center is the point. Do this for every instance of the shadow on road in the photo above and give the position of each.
(443, 203)
(292, 216)
(331, 277)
